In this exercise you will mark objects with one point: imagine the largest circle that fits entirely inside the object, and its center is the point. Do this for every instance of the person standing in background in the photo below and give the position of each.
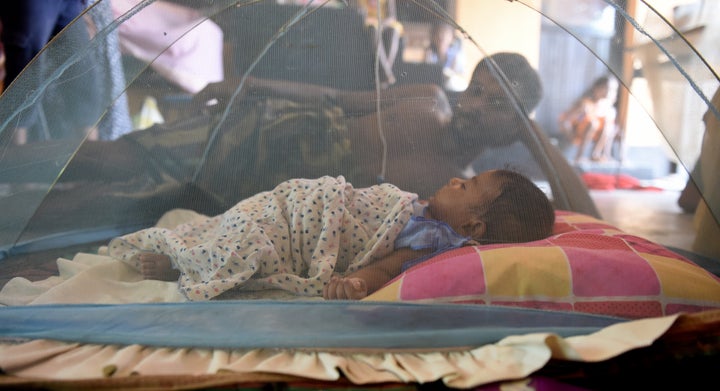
(30, 24)
(27, 26)
(446, 50)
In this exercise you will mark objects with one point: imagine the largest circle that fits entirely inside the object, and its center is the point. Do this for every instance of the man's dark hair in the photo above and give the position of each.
(521, 77)
(521, 213)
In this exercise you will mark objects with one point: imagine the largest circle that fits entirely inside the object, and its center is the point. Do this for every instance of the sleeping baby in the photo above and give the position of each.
(322, 237)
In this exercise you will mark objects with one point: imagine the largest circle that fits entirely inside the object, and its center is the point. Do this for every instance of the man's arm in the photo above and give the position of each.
(367, 280)
(355, 102)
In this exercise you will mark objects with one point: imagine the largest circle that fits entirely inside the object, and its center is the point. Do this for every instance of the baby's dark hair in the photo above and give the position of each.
(521, 213)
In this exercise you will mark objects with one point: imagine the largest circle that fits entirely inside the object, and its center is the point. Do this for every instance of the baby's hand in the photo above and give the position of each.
(157, 267)
(342, 288)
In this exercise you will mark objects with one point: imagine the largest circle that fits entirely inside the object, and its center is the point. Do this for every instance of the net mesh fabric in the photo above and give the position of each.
(64, 188)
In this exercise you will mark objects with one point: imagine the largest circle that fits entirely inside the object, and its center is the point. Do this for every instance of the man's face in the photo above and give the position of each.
(453, 202)
(486, 114)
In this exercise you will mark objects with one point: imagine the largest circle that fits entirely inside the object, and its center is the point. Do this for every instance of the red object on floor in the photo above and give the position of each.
(597, 181)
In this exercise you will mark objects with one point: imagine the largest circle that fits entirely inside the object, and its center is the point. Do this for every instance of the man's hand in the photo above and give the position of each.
(345, 288)
(219, 93)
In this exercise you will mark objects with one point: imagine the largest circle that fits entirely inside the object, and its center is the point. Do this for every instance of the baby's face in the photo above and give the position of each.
(452, 203)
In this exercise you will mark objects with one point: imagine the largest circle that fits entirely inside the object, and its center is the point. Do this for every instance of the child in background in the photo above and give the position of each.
(591, 120)
(446, 49)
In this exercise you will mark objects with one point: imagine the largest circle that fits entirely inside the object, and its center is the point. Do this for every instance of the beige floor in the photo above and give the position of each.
(653, 215)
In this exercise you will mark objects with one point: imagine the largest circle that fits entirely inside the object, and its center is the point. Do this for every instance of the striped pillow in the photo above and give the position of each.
(586, 266)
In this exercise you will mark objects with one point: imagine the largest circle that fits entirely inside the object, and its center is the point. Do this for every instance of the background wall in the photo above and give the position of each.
(499, 25)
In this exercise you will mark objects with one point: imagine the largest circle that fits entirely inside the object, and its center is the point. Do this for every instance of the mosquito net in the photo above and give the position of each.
(205, 154)
(142, 114)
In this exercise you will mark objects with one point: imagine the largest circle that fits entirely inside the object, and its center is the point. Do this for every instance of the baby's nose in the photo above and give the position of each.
(455, 181)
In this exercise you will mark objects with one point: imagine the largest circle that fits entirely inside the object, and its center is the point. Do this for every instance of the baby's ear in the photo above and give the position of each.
(474, 228)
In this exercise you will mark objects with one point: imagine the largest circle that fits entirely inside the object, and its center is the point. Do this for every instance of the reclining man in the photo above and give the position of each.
(413, 137)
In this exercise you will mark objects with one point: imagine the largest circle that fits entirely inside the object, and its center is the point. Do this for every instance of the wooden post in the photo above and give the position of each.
(627, 76)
